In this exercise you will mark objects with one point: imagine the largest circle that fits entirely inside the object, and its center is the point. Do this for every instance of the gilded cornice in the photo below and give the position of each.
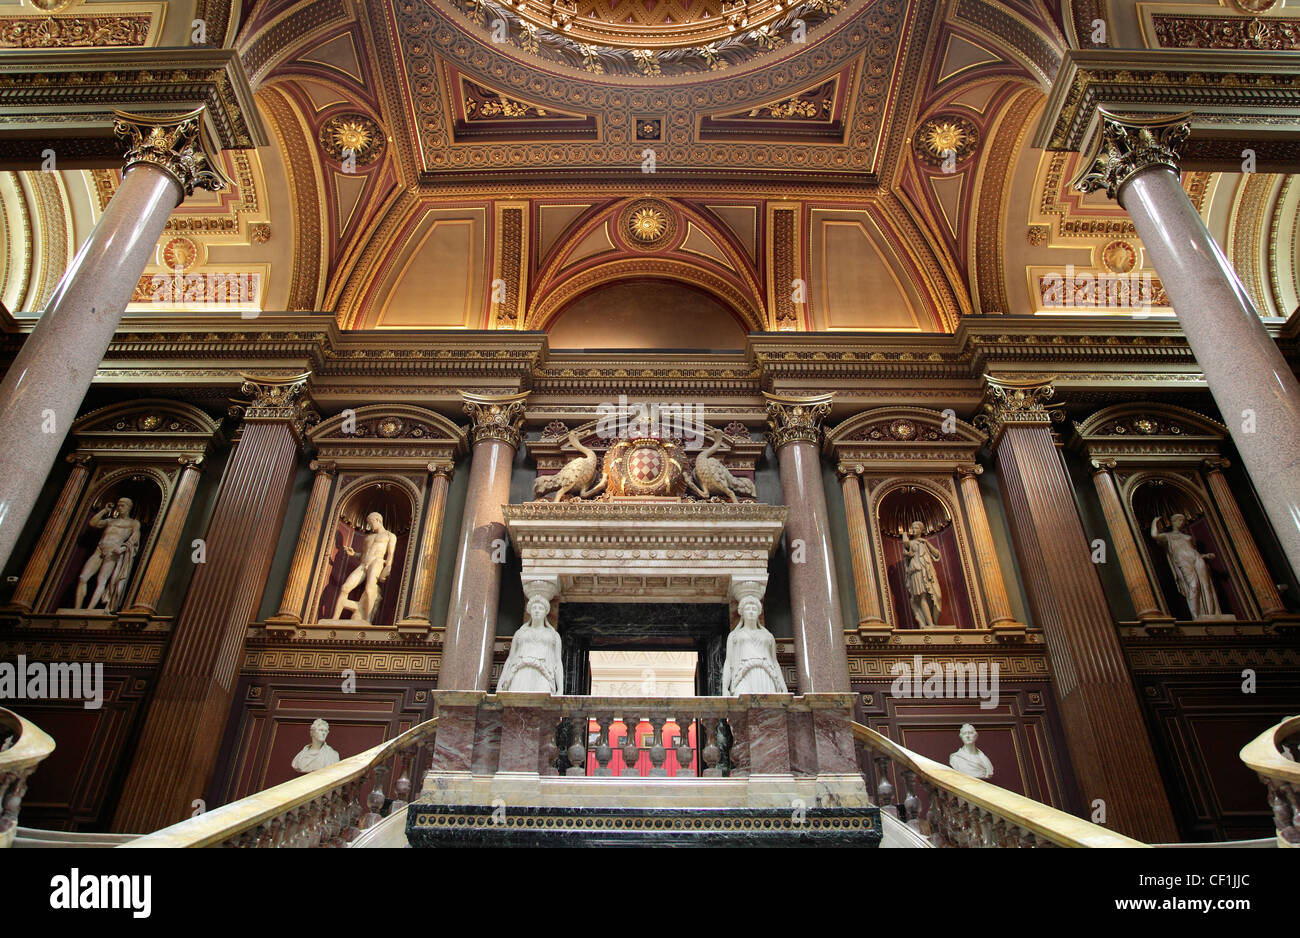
(71, 94)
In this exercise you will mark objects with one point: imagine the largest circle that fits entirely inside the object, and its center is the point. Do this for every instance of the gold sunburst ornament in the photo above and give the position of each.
(648, 224)
(946, 134)
(353, 134)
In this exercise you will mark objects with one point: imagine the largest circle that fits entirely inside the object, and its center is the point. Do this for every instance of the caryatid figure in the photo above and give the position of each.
(376, 564)
(534, 665)
(751, 666)
(113, 556)
(920, 556)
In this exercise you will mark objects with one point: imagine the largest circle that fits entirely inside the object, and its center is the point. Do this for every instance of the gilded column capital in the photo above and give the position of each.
(442, 470)
(1101, 464)
(494, 417)
(844, 471)
(792, 419)
(324, 467)
(191, 462)
(1215, 463)
(79, 459)
(971, 471)
(177, 144)
(1015, 402)
(1127, 145)
(283, 400)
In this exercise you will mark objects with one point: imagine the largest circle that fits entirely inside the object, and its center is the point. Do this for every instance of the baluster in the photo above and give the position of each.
(604, 752)
(577, 751)
(934, 816)
(986, 828)
(685, 753)
(401, 788)
(884, 790)
(288, 830)
(725, 739)
(657, 751)
(631, 751)
(911, 804)
(710, 752)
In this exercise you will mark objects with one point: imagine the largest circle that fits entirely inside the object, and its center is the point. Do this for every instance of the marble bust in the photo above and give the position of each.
(113, 557)
(534, 665)
(751, 666)
(376, 564)
(919, 558)
(969, 760)
(317, 754)
(1191, 572)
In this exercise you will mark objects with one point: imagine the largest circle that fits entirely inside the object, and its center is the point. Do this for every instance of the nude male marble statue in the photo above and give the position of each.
(920, 556)
(1191, 572)
(376, 564)
(751, 666)
(969, 760)
(317, 754)
(113, 556)
(534, 665)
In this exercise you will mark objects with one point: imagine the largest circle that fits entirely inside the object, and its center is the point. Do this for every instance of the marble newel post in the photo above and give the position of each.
(821, 662)
(168, 159)
(191, 700)
(1104, 730)
(1255, 389)
(476, 582)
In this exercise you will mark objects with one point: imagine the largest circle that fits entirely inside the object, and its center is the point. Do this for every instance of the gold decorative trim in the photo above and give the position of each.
(1126, 146)
(796, 419)
(496, 417)
(179, 146)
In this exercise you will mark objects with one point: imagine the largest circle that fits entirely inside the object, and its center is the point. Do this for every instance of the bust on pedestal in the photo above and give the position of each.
(317, 754)
(969, 760)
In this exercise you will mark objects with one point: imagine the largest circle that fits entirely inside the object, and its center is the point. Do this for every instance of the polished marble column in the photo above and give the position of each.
(476, 582)
(821, 661)
(1125, 545)
(870, 621)
(167, 159)
(1256, 391)
(993, 584)
(1110, 751)
(291, 612)
(164, 549)
(38, 565)
(1243, 542)
(426, 564)
(190, 705)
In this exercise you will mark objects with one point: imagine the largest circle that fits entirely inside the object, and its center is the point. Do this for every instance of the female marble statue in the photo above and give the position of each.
(920, 556)
(969, 760)
(317, 754)
(534, 665)
(1191, 573)
(751, 666)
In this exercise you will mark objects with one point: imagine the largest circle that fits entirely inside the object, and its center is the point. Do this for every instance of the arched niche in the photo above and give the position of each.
(396, 500)
(1153, 494)
(898, 504)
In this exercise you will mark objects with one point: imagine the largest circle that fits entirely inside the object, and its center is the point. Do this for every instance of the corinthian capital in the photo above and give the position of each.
(177, 145)
(496, 417)
(1009, 402)
(796, 418)
(1127, 145)
(284, 400)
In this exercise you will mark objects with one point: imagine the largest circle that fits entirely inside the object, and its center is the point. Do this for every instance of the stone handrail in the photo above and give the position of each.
(320, 809)
(19, 761)
(968, 812)
(1280, 775)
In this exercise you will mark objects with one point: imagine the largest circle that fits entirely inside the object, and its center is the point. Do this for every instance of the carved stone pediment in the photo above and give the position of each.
(1137, 433)
(146, 430)
(897, 437)
(389, 435)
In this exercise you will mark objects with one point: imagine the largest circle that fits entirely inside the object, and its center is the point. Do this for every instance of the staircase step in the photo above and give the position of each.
(440, 825)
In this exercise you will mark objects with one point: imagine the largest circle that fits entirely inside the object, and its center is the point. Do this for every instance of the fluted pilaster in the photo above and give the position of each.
(870, 620)
(169, 538)
(38, 565)
(291, 611)
(426, 565)
(986, 556)
(1243, 541)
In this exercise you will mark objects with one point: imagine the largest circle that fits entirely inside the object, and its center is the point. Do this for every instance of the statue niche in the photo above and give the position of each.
(370, 541)
(923, 560)
(110, 534)
(1185, 554)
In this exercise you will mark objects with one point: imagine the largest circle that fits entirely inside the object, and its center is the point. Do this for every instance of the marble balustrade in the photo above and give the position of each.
(1271, 756)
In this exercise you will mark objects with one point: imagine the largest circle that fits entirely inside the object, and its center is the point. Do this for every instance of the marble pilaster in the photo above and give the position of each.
(986, 556)
(870, 619)
(38, 565)
(291, 611)
(163, 556)
(166, 160)
(821, 662)
(187, 715)
(1256, 391)
(1243, 542)
(476, 582)
(1110, 751)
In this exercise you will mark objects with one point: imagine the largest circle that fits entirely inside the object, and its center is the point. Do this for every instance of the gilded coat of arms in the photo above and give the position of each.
(643, 466)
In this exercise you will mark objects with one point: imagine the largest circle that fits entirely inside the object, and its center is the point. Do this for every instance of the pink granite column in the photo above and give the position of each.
(43, 389)
(471, 625)
(1255, 389)
(821, 662)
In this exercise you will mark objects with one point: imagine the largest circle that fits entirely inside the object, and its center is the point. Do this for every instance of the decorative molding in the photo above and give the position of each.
(496, 417)
(178, 145)
(796, 419)
(1127, 146)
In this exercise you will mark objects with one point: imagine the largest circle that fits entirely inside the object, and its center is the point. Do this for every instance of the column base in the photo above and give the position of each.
(1285, 622)
(413, 627)
(282, 626)
(874, 631)
(1161, 626)
(135, 620)
(1009, 631)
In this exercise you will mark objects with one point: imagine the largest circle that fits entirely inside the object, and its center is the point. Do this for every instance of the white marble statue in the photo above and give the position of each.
(969, 760)
(919, 558)
(1191, 572)
(751, 666)
(317, 754)
(376, 564)
(534, 665)
(113, 557)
